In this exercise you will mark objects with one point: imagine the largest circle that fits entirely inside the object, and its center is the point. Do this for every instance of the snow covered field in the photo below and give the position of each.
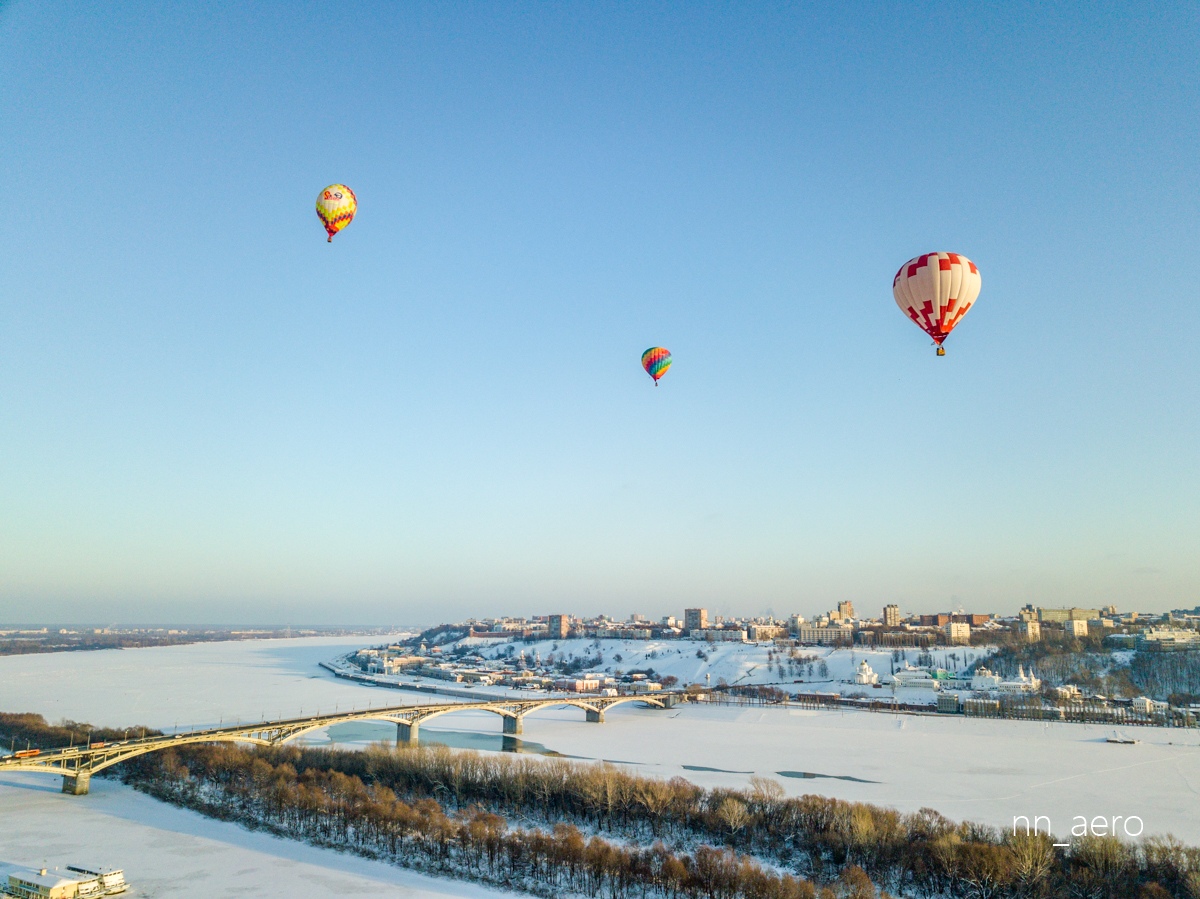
(692, 661)
(171, 852)
(965, 768)
(976, 769)
(167, 851)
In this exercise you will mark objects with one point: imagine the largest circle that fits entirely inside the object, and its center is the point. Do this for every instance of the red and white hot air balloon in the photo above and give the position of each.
(935, 291)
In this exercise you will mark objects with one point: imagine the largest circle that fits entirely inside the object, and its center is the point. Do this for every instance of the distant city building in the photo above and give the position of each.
(894, 639)
(1022, 683)
(846, 610)
(558, 626)
(918, 678)
(578, 685)
(758, 632)
(720, 635)
(1162, 639)
(695, 619)
(623, 633)
(497, 634)
(1031, 631)
(1148, 706)
(891, 616)
(958, 632)
(1076, 627)
(865, 674)
(983, 680)
(972, 619)
(833, 635)
(1059, 616)
(949, 703)
(940, 619)
(646, 686)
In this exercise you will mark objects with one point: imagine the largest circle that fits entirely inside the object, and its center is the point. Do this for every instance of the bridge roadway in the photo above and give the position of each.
(77, 764)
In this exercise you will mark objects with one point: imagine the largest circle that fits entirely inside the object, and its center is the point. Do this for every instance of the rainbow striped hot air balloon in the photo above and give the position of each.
(656, 361)
(336, 206)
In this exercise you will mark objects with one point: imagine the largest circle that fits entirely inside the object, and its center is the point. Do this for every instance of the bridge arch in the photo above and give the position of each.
(514, 710)
(321, 725)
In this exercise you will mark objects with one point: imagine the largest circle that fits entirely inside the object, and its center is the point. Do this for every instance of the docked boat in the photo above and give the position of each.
(108, 881)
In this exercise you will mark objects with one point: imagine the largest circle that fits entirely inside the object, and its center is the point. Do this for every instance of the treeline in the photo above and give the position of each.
(330, 808)
(825, 841)
(1085, 662)
(21, 730)
(1173, 676)
(24, 645)
(1059, 660)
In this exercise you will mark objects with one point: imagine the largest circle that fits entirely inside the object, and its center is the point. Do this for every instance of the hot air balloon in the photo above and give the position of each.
(336, 206)
(935, 291)
(656, 361)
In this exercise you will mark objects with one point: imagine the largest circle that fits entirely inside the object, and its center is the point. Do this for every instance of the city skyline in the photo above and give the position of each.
(212, 415)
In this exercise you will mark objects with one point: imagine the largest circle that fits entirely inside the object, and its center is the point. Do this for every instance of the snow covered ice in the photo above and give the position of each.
(982, 770)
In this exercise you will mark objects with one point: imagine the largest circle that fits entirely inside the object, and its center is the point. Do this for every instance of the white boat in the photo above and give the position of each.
(109, 881)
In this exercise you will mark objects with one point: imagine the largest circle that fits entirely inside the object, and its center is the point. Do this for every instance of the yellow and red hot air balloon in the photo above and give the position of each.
(656, 361)
(935, 291)
(336, 206)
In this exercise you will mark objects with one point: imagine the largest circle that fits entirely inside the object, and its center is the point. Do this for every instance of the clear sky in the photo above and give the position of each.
(208, 413)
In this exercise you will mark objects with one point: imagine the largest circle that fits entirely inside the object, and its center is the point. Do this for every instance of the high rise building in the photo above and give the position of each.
(695, 619)
(891, 616)
(958, 633)
(1076, 628)
(846, 610)
(559, 626)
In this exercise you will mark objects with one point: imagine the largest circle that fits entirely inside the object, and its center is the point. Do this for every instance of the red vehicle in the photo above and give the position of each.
(26, 753)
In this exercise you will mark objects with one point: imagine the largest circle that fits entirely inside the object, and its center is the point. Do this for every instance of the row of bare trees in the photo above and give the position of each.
(921, 854)
(331, 808)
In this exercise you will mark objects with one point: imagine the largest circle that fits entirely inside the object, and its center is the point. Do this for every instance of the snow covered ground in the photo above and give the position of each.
(171, 852)
(167, 851)
(197, 685)
(975, 769)
(691, 661)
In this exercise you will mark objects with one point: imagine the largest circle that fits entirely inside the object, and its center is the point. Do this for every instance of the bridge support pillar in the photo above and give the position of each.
(77, 784)
(595, 717)
(514, 725)
(407, 733)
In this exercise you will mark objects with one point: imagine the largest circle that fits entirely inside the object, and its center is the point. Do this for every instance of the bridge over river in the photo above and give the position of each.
(77, 764)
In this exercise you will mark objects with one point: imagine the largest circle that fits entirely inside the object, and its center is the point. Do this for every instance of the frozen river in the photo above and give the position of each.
(982, 770)
(166, 851)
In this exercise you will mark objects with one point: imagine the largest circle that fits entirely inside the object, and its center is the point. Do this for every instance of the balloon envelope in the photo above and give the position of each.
(656, 361)
(336, 206)
(936, 290)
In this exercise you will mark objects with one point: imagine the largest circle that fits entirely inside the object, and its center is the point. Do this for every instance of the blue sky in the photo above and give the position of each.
(207, 413)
